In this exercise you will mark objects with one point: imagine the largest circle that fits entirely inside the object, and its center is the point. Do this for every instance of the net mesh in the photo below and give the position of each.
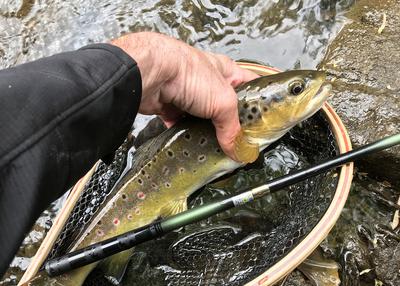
(93, 196)
(233, 247)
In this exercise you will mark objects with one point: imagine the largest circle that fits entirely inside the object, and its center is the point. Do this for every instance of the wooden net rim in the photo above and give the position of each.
(298, 254)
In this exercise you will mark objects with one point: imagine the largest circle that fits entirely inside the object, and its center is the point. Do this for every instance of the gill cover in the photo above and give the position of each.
(270, 105)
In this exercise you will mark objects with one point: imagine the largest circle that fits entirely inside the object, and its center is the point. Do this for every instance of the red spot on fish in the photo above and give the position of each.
(116, 221)
(99, 232)
(141, 195)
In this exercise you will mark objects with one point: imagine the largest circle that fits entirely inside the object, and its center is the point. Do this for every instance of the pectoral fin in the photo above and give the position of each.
(245, 151)
(173, 207)
(114, 267)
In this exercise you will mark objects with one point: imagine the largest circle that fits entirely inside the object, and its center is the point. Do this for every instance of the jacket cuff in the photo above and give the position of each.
(135, 76)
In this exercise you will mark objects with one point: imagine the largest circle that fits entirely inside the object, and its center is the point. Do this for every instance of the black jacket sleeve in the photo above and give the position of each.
(58, 115)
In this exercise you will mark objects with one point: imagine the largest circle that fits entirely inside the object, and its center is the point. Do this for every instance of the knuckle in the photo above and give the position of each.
(227, 65)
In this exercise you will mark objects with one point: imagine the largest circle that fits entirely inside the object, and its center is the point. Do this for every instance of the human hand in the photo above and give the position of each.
(178, 78)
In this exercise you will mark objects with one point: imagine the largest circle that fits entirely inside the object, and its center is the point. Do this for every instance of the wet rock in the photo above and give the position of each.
(296, 278)
(366, 92)
(18, 8)
(388, 265)
(140, 272)
(362, 236)
(355, 262)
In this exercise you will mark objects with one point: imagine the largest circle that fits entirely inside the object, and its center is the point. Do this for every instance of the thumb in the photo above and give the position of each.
(226, 121)
(170, 114)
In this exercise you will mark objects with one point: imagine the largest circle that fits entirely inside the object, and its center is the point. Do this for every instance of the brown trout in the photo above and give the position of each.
(170, 167)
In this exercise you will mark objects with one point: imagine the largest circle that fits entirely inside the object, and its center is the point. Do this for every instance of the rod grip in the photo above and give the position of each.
(101, 250)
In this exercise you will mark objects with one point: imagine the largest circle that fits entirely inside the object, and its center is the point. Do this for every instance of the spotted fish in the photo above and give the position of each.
(170, 167)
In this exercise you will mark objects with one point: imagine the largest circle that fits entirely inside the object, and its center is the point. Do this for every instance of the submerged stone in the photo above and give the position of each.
(363, 241)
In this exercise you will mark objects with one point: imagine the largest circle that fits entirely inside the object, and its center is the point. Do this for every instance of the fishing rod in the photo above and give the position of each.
(157, 229)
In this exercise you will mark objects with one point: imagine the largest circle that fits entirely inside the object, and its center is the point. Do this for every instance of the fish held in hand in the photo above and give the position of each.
(167, 169)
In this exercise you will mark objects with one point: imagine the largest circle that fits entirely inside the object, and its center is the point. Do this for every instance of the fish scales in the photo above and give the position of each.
(188, 159)
(170, 167)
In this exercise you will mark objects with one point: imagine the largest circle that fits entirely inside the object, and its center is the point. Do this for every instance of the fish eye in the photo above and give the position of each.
(296, 87)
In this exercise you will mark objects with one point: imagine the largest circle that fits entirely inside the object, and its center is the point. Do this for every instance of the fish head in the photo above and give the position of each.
(270, 105)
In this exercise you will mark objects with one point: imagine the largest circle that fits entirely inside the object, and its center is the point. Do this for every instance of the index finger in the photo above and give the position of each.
(231, 71)
(240, 75)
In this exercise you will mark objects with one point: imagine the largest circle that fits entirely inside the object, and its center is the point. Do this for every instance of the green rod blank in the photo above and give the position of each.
(127, 240)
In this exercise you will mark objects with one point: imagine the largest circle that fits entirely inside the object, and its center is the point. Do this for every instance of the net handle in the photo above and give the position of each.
(48, 242)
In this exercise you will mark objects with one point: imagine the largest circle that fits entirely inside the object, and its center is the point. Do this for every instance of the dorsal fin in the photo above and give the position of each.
(148, 150)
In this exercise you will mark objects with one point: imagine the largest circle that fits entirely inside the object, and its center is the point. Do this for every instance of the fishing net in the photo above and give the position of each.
(236, 246)
(93, 196)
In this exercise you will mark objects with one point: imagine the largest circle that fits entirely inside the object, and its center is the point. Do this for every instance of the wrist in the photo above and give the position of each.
(156, 56)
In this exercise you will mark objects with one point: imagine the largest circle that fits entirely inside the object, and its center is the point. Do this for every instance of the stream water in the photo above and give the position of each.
(285, 33)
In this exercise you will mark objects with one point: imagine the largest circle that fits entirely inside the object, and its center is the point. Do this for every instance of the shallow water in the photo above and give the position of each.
(286, 34)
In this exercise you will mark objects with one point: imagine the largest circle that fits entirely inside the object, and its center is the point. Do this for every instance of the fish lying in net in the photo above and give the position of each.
(237, 246)
(170, 167)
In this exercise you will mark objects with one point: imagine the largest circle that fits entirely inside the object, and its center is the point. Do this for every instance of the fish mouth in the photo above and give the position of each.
(318, 99)
(323, 92)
